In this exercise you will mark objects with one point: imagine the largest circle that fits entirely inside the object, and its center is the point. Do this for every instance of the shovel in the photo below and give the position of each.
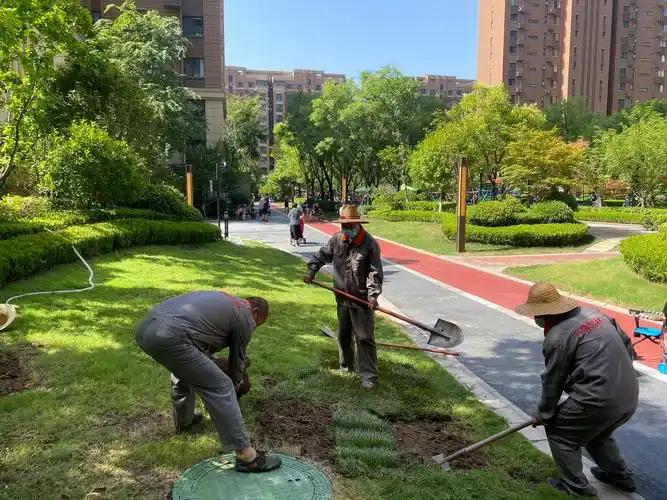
(444, 334)
(443, 460)
(329, 333)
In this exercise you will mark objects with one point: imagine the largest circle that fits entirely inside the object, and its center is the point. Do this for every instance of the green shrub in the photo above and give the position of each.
(521, 235)
(495, 213)
(89, 168)
(567, 198)
(546, 212)
(14, 207)
(651, 218)
(646, 254)
(28, 254)
(407, 215)
(11, 229)
(165, 199)
(613, 203)
(432, 206)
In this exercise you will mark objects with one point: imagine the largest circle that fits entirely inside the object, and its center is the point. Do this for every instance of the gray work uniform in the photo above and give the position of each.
(181, 334)
(587, 357)
(358, 271)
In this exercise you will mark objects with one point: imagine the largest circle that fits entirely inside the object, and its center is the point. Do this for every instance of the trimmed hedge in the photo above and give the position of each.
(408, 215)
(165, 199)
(29, 254)
(651, 218)
(522, 235)
(546, 212)
(495, 213)
(646, 254)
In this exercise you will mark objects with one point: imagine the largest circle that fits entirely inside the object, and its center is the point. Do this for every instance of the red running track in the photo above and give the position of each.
(504, 292)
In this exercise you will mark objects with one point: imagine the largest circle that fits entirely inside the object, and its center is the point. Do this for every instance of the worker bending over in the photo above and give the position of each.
(590, 359)
(357, 270)
(182, 334)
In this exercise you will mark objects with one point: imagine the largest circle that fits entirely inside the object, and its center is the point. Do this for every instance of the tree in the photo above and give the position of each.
(394, 164)
(88, 168)
(32, 34)
(540, 162)
(638, 155)
(571, 118)
(287, 174)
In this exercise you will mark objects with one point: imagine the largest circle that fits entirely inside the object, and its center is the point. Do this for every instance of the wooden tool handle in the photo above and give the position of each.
(444, 352)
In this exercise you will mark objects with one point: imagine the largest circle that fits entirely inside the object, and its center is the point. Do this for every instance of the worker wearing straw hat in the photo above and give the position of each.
(588, 357)
(358, 271)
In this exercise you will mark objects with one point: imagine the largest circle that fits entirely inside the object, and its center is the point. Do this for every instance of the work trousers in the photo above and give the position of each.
(360, 324)
(193, 371)
(578, 426)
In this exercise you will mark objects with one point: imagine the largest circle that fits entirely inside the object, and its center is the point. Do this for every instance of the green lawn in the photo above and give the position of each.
(605, 280)
(428, 236)
(98, 417)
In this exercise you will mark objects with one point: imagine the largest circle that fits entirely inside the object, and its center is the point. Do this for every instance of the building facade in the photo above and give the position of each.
(273, 87)
(204, 64)
(446, 87)
(610, 52)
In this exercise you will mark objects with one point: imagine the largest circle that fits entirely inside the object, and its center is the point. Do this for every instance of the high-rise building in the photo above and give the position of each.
(610, 52)
(273, 87)
(204, 64)
(447, 87)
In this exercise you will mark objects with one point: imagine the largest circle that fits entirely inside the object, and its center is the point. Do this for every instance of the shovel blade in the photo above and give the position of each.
(450, 334)
(328, 332)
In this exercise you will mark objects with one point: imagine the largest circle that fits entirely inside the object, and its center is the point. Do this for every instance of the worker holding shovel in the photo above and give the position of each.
(182, 334)
(358, 271)
(588, 357)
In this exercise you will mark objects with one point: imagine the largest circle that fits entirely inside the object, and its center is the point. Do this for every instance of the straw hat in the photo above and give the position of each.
(544, 300)
(348, 214)
(7, 315)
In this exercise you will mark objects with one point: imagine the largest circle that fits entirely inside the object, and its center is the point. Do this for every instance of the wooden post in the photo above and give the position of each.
(461, 206)
(188, 185)
(343, 194)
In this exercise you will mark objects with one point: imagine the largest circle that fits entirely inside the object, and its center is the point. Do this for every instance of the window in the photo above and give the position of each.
(512, 49)
(621, 103)
(643, 89)
(514, 3)
(512, 68)
(511, 82)
(193, 26)
(532, 69)
(514, 17)
(279, 107)
(661, 73)
(661, 88)
(621, 86)
(97, 15)
(450, 92)
(279, 98)
(194, 68)
(230, 78)
(513, 34)
(442, 87)
(310, 82)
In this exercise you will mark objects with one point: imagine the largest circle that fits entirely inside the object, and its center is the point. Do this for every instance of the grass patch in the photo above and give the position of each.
(99, 416)
(608, 280)
(429, 236)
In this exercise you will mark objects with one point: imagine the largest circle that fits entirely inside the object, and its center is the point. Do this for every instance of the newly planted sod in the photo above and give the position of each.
(608, 280)
(429, 236)
(95, 415)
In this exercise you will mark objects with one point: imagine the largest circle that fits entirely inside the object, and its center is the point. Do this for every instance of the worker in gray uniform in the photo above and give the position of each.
(182, 334)
(357, 270)
(588, 357)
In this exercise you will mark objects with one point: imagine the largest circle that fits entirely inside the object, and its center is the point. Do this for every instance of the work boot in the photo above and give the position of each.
(626, 484)
(197, 418)
(261, 463)
(559, 485)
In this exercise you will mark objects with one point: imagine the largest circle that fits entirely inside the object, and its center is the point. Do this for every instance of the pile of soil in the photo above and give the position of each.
(15, 372)
(299, 425)
(428, 436)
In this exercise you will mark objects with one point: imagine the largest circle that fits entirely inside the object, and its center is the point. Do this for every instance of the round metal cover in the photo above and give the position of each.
(216, 479)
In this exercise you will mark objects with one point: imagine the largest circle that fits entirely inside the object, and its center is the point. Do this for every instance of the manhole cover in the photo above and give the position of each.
(215, 479)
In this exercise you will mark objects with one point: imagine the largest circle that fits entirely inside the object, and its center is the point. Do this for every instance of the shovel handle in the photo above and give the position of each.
(444, 352)
(441, 459)
(381, 309)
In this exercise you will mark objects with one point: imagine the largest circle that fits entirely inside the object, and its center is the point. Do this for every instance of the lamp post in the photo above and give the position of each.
(217, 194)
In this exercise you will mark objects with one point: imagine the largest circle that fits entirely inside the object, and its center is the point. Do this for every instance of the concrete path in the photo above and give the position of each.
(501, 348)
(610, 235)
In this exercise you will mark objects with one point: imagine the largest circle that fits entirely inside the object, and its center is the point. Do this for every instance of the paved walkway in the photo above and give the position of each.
(500, 262)
(501, 348)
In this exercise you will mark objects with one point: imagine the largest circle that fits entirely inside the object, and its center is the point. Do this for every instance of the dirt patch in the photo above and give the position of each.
(428, 436)
(16, 368)
(296, 424)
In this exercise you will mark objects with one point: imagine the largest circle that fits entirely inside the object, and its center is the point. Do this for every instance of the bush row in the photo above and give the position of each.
(511, 211)
(651, 218)
(28, 254)
(522, 235)
(57, 220)
(646, 254)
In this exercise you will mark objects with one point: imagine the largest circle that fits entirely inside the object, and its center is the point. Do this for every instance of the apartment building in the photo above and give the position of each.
(204, 63)
(273, 87)
(611, 52)
(446, 87)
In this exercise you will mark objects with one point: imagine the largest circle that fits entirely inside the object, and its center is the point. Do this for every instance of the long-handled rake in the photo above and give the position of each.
(444, 334)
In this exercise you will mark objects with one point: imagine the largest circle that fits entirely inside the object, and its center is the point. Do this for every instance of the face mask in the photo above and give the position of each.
(351, 233)
(539, 320)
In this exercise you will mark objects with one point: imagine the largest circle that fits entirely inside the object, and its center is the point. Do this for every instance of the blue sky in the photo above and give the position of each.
(348, 36)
